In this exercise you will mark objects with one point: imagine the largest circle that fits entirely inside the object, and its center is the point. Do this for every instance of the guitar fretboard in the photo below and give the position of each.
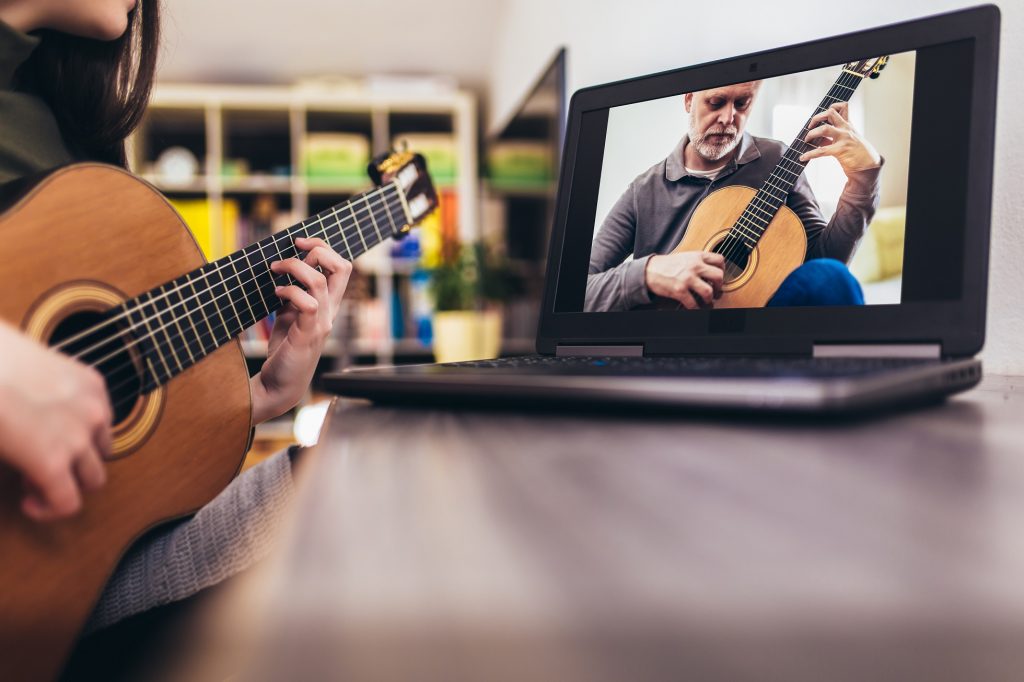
(754, 220)
(180, 322)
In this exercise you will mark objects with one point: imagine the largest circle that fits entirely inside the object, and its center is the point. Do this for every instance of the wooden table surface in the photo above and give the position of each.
(458, 545)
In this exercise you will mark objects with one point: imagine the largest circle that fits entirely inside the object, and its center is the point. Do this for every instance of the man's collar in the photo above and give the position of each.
(675, 170)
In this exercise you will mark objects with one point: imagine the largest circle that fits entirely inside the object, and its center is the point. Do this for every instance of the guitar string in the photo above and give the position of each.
(151, 333)
(747, 229)
(169, 339)
(260, 287)
(218, 265)
(231, 261)
(735, 241)
(188, 314)
(239, 271)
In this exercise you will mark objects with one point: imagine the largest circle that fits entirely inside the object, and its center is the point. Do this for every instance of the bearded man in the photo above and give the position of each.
(649, 219)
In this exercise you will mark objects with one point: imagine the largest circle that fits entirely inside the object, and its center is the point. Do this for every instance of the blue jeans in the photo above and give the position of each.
(821, 281)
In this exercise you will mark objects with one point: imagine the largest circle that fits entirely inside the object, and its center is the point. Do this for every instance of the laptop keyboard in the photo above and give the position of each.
(712, 366)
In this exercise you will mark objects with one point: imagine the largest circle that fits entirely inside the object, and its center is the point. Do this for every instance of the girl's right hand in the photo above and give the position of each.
(54, 425)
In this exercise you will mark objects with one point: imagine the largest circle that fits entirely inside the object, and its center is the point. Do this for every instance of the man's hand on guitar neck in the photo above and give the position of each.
(54, 425)
(694, 278)
(833, 135)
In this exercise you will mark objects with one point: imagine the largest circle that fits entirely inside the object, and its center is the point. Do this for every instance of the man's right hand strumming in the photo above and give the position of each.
(694, 278)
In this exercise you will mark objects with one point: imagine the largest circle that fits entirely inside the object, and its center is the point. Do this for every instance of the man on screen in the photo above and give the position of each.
(650, 217)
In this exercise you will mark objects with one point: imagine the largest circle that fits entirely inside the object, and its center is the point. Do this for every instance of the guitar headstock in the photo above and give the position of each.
(409, 172)
(867, 68)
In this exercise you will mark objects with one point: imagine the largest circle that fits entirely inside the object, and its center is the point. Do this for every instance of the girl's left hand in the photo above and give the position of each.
(301, 328)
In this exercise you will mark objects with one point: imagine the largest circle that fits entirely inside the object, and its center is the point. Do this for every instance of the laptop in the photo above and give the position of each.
(802, 229)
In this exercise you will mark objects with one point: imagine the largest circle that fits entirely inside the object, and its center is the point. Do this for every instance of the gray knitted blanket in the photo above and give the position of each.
(226, 536)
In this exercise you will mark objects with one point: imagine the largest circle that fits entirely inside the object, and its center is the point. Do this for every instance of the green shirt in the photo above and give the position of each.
(30, 140)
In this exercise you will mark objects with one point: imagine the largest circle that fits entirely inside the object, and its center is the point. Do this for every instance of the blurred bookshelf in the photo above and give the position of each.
(240, 162)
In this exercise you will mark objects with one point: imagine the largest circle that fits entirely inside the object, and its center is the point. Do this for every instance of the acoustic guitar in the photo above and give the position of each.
(761, 238)
(99, 265)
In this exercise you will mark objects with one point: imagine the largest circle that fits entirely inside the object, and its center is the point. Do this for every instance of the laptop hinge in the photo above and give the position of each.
(624, 351)
(879, 350)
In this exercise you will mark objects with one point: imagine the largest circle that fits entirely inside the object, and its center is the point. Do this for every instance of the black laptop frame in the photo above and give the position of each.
(957, 325)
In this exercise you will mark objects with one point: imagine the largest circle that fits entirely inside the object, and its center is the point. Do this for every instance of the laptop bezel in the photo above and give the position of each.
(958, 326)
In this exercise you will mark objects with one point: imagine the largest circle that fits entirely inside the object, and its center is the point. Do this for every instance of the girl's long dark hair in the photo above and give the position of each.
(97, 90)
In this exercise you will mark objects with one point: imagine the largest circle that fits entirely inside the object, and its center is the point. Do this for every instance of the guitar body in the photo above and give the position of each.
(86, 238)
(781, 249)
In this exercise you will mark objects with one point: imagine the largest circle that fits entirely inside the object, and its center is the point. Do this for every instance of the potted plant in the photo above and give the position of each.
(468, 286)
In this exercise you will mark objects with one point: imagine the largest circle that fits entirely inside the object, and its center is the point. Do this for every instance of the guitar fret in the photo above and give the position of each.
(163, 327)
(369, 209)
(745, 230)
(344, 237)
(174, 302)
(405, 204)
(225, 293)
(754, 226)
(150, 335)
(391, 217)
(274, 302)
(760, 210)
(212, 269)
(280, 256)
(255, 280)
(358, 231)
(355, 219)
(241, 285)
(323, 231)
(202, 311)
(786, 184)
(766, 192)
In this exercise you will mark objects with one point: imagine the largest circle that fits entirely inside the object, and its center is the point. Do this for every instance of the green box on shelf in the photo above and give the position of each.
(520, 163)
(336, 157)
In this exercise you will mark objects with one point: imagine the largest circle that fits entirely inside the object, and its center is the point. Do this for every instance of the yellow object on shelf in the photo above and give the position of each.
(215, 241)
(461, 335)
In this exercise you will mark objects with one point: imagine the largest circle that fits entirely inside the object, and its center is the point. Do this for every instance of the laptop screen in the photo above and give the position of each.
(754, 184)
(707, 198)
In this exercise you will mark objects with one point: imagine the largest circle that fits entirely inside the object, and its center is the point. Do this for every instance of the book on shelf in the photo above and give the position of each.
(216, 240)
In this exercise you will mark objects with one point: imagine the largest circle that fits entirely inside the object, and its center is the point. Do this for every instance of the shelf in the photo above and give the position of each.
(198, 185)
(523, 190)
(258, 184)
(252, 140)
(316, 187)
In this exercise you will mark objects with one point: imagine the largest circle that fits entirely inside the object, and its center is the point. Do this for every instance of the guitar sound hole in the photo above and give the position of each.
(106, 350)
(736, 260)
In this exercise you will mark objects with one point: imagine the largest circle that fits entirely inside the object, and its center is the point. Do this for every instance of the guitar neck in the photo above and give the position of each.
(776, 188)
(183, 321)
